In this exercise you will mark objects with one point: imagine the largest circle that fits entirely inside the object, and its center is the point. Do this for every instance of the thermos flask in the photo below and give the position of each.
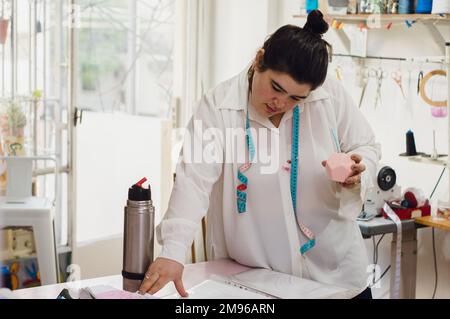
(139, 218)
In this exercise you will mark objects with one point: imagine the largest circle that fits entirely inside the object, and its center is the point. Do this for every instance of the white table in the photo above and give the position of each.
(408, 268)
(193, 274)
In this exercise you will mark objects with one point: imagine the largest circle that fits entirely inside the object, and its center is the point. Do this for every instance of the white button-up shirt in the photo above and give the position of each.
(267, 234)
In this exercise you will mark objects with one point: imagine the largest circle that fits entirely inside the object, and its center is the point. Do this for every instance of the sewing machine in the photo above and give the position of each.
(385, 189)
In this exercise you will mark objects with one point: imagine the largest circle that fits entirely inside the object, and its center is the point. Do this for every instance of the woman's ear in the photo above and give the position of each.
(258, 59)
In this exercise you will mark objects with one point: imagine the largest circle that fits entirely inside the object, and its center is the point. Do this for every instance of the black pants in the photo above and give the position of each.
(366, 294)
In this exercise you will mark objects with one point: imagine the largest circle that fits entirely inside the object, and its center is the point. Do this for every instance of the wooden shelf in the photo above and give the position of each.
(434, 221)
(384, 17)
(442, 161)
(380, 21)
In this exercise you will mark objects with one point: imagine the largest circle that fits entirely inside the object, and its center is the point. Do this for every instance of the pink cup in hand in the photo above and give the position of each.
(339, 167)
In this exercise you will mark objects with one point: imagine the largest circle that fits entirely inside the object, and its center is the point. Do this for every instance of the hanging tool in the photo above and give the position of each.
(422, 90)
(338, 71)
(419, 80)
(434, 154)
(397, 77)
(410, 92)
(365, 81)
(379, 74)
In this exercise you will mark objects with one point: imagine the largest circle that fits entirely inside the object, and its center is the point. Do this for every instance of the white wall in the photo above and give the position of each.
(108, 161)
(239, 27)
(390, 123)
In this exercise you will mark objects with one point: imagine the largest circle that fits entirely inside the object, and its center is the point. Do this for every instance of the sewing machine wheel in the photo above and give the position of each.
(386, 178)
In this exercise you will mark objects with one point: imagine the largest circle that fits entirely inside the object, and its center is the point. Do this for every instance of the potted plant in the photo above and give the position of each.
(12, 127)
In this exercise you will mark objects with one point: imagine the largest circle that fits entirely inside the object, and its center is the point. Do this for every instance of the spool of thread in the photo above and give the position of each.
(312, 5)
(410, 144)
(424, 6)
(441, 6)
(338, 3)
(405, 6)
(415, 196)
(411, 199)
(404, 203)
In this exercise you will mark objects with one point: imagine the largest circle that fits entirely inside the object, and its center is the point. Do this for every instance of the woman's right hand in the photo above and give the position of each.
(159, 273)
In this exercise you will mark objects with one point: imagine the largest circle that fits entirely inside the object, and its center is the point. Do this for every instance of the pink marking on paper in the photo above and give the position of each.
(118, 294)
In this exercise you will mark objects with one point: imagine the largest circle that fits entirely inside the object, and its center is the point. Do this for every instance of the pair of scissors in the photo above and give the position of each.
(379, 74)
(397, 77)
(419, 79)
(364, 79)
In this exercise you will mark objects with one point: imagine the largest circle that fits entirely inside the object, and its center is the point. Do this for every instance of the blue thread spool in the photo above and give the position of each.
(424, 6)
(410, 144)
(405, 6)
(311, 5)
(405, 203)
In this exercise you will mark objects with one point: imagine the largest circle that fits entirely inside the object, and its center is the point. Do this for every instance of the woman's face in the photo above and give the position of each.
(276, 92)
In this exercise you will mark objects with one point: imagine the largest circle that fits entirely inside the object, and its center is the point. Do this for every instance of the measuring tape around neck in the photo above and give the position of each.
(242, 188)
(395, 285)
(294, 175)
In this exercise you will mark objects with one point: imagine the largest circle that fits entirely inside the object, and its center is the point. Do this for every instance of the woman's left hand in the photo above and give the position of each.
(357, 169)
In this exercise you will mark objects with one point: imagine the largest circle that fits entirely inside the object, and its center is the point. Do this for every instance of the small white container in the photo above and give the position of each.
(440, 6)
(443, 209)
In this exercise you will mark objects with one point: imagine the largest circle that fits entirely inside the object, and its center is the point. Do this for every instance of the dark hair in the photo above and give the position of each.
(299, 52)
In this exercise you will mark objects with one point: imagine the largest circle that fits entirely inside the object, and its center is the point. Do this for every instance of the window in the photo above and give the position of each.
(124, 56)
(123, 62)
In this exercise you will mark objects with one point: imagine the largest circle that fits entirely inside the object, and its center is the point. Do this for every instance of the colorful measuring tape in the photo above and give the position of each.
(242, 188)
(395, 286)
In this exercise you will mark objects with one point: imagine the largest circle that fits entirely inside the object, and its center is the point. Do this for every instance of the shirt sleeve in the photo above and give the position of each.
(198, 169)
(356, 137)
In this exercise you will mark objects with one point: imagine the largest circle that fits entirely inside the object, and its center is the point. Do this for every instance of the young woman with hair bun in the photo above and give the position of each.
(292, 219)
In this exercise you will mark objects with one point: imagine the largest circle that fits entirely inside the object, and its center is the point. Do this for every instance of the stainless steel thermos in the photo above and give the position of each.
(139, 219)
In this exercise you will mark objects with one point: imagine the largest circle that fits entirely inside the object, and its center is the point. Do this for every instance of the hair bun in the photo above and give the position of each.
(315, 23)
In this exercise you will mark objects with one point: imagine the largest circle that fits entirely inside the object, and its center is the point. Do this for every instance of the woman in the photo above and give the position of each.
(287, 216)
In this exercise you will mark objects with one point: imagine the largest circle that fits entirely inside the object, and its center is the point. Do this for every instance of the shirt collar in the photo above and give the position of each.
(237, 99)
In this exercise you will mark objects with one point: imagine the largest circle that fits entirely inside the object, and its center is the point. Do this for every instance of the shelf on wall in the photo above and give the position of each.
(442, 161)
(384, 21)
(385, 17)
